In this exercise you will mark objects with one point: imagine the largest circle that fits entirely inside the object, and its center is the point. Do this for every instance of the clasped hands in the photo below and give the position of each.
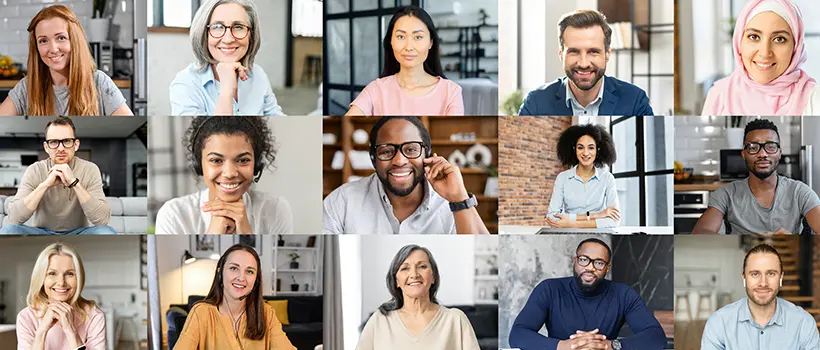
(60, 173)
(586, 341)
(62, 313)
(227, 217)
(564, 221)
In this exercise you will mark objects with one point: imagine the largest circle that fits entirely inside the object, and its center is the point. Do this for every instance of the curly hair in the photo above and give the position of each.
(570, 136)
(760, 124)
(254, 128)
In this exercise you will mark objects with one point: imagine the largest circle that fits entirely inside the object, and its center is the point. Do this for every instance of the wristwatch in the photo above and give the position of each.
(465, 204)
(587, 216)
(616, 344)
(74, 183)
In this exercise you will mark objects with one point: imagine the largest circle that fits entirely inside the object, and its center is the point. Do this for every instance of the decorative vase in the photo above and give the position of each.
(294, 287)
(491, 189)
(294, 265)
(280, 242)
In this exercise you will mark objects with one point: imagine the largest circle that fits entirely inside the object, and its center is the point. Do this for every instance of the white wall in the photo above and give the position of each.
(112, 268)
(351, 269)
(508, 49)
(169, 53)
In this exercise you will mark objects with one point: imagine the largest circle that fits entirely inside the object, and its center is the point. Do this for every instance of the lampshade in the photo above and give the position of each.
(188, 258)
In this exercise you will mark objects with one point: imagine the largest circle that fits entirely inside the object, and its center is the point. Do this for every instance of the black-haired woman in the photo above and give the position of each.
(228, 154)
(233, 315)
(412, 82)
(584, 196)
(413, 319)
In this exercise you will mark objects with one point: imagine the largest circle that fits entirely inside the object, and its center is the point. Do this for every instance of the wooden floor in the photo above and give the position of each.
(688, 334)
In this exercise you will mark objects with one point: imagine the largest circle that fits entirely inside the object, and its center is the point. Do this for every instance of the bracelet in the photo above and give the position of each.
(74, 183)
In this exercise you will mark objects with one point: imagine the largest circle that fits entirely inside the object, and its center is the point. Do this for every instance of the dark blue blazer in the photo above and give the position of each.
(620, 98)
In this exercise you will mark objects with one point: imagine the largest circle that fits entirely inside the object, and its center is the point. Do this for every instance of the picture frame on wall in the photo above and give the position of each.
(204, 246)
(254, 241)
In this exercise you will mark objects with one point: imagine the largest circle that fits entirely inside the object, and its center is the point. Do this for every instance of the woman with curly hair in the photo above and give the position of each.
(584, 196)
(229, 154)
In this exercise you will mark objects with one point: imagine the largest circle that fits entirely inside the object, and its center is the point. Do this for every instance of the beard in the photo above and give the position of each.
(418, 177)
(763, 302)
(582, 285)
(762, 175)
(583, 85)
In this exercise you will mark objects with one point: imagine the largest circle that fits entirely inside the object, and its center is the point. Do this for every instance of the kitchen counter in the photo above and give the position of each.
(623, 230)
(10, 83)
(708, 186)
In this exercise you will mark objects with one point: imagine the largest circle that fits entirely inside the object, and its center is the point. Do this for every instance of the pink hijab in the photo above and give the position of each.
(788, 94)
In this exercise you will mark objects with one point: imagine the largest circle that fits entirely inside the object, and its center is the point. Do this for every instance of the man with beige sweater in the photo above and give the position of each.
(63, 193)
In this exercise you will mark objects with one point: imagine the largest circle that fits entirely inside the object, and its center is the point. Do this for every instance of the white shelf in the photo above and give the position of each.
(296, 271)
(295, 293)
(487, 301)
(486, 277)
(296, 248)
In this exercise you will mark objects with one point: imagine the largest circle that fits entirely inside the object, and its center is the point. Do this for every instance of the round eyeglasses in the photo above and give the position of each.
(410, 150)
(238, 31)
(770, 147)
(584, 261)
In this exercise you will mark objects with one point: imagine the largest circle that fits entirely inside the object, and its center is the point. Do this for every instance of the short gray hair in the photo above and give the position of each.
(199, 31)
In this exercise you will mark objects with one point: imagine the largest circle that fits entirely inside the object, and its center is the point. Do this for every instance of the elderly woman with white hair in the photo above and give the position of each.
(57, 316)
(224, 80)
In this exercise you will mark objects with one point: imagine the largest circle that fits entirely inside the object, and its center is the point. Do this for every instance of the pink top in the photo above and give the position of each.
(384, 96)
(92, 331)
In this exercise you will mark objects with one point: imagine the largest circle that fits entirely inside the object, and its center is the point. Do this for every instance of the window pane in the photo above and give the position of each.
(337, 6)
(361, 5)
(150, 13)
(338, 51)
(659, 200)
(366, 50)
(177, 13)
(629, 201)
(339, 102)
(388, 3)
(623, 135)
(659, 144)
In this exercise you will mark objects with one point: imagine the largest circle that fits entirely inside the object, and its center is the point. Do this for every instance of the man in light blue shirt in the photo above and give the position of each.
(761, 320)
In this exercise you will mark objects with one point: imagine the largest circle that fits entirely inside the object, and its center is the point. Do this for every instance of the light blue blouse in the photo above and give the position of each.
(570, 195)
(194, 91)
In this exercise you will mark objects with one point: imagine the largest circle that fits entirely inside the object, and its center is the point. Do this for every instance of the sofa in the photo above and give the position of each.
(305, 313)
(483, 318)
(129, 215)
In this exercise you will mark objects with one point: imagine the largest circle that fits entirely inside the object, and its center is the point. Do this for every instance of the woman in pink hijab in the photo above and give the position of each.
(769, 51)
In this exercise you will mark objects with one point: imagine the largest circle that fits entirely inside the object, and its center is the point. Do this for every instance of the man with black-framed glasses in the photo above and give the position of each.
(764, 202)
(586, 311)
(63, 193)
(413, 191)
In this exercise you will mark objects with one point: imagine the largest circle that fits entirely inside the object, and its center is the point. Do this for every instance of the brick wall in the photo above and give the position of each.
(527, 167)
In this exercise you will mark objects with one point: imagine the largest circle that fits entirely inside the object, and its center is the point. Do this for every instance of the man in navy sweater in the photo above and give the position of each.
(586, 312)
(585, 39)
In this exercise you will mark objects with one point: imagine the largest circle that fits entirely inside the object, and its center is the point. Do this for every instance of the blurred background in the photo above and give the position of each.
(291, 51)
(643, 43)
(469, 48)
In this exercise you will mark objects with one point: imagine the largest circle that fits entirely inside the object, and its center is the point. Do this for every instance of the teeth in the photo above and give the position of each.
(237, 286)
(229, 186)
(400, 174)
(764, 66)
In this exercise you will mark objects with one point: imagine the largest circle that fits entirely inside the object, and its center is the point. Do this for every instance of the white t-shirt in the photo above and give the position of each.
(266, 214)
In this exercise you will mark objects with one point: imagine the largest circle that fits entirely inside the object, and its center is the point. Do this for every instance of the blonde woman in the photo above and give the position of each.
(57, 316)
(62, 78)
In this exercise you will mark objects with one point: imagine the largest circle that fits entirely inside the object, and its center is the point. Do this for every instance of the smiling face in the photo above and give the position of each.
(762, 276)
(586, 150)
(399, 175)
(411, 41)
(761, 165)
(227, 48)
(415, 276)
(61, 278)
(239, 274)
(766, 47)
(60, 155)
(53, 44)
(227, 165)
(584, 56)
(588, 277)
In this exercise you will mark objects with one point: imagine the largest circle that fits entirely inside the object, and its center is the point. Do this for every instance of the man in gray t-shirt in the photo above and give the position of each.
(764, 202)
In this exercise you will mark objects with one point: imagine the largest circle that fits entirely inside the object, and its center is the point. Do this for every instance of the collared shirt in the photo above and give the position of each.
(571, 195)
(733, 328)
(592, 108)
(362, 207)
(194, 91)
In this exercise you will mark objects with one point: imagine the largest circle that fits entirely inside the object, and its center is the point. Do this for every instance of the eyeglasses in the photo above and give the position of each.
(410, 150)
(771, 147)
(238, 31)
(54, 143)
(584, 261)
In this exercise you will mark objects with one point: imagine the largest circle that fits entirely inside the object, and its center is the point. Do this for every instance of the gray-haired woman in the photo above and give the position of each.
(224, 80)
(413, 319)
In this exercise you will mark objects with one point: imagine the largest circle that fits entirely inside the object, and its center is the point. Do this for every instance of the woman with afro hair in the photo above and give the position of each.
(584, 196)
(228, 154)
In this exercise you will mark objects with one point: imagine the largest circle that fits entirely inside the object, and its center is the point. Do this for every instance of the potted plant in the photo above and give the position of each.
(491, 188)
(513, 103)
(491, 261)
(98, 26)
(294, 264)
(294, 287)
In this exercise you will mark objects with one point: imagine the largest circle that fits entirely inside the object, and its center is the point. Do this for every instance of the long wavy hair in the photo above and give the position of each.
(82, 94)
(37, 299)
(254, 305)
(432, 65)
(397, 298)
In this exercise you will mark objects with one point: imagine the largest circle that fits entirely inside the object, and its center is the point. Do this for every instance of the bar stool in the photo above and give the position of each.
(683, 296)
(312, 69)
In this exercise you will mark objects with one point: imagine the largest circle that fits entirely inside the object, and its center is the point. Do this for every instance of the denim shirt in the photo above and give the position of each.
(194, 91)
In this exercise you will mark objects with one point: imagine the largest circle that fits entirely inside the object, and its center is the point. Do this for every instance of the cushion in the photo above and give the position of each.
(134, 206)
(300, 310)
(2, 205)
(117, 223)
(280, 307)
(116, 206)
(6, 204)
(134, 224)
